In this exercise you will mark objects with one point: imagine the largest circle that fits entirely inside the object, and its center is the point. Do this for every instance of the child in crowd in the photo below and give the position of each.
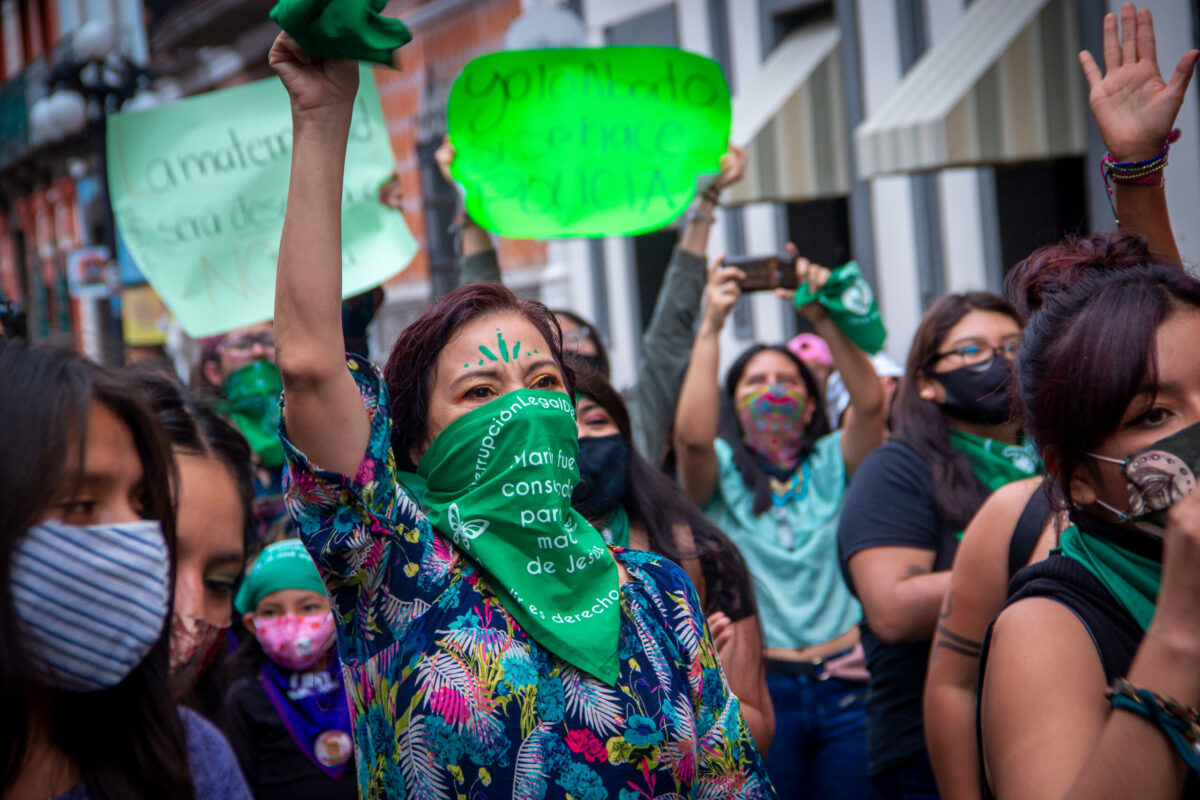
(289, 718)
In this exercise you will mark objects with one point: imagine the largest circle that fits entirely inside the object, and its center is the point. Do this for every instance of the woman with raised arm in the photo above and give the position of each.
(491, 643)
(774, 482)
(1089, 685)
(1134, 111)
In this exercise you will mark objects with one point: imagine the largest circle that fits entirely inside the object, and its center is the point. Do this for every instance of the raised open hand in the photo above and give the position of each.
(1134, 108)
(320, 88)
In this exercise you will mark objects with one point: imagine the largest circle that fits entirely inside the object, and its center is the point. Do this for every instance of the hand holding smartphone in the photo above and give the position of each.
(766, 273)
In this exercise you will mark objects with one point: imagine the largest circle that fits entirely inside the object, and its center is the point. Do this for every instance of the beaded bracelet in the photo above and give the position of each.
(1147, 172)
(1177, 722)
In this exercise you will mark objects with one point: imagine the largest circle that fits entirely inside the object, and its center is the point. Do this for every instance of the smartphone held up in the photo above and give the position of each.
(766, 273)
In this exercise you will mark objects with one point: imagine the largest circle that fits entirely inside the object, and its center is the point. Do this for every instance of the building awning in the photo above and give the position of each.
(790, 116)
(1003, 85)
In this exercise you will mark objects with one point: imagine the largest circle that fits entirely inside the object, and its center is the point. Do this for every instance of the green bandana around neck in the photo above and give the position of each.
(615, 529)
(996, 463)
(1133, 580)
(250, 398)
(350, 29)
(498, 484)
(283, 565)
(851, 305)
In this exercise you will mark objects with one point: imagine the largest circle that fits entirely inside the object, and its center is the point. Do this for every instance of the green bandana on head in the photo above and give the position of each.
(851, 305)
(283, 565)
(498, 484)
(250, 398)
(996, 463)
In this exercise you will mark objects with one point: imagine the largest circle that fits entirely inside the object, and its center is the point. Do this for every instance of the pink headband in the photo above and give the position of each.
(810, 347)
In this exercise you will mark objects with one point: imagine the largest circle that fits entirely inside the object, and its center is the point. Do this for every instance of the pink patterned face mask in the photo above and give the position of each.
(772, 420)
(295, 642)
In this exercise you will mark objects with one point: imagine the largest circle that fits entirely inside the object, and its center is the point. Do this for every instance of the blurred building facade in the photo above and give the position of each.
(936, 141)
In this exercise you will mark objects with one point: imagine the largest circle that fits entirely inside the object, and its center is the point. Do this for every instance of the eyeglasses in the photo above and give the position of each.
(578, 336)
(244, 344)
(979, 357)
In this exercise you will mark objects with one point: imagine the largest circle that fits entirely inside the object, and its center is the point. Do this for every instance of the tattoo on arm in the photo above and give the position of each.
(957, 644)
(914, 570)
(946, 611)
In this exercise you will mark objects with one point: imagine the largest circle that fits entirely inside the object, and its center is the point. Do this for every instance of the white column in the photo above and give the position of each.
(892, 218)
(624, 329)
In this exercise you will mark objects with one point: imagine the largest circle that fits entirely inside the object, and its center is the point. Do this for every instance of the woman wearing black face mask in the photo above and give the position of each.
(634, 505)
(954, 442)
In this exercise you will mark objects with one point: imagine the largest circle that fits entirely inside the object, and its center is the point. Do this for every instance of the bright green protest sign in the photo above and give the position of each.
(585, 142)
(199, 188)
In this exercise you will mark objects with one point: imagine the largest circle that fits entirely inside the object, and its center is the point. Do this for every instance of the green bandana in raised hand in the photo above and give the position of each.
(996, 463)
(498, 483)
(851, 305)
(250, 398)
(351, 29)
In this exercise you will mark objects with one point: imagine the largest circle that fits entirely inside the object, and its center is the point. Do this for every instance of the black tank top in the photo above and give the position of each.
(1114, 632)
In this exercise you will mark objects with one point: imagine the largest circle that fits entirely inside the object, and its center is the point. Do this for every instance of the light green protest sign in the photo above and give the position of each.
(585, 142)
(199, 188)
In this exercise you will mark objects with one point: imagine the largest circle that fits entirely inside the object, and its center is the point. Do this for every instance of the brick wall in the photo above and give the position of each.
(430, 63)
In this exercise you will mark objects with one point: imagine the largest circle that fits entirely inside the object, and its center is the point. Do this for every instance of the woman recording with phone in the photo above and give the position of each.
(772, 476)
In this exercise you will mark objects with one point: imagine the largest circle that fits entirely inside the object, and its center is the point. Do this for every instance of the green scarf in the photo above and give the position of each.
(995, 463)
(250, 398)
(498, 483)
(1133, 580)
(351, 29)
(851, 305)
(615, 529)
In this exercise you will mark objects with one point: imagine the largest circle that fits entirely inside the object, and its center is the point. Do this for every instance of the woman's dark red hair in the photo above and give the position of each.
(409, 370)
(1093, 307)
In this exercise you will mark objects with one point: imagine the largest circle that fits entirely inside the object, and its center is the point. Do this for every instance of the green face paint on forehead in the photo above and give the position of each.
(507, 354)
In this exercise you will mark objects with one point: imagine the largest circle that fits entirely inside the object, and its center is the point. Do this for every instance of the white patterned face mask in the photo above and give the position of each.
(90, 600)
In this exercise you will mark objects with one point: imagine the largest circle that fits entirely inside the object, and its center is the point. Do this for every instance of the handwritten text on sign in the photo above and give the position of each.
(199, 189)
(585, 142)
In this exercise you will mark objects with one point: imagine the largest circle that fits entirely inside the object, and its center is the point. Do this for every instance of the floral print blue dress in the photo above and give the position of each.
(452, 699)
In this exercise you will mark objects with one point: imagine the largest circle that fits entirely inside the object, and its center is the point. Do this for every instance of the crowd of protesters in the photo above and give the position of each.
(819, 575)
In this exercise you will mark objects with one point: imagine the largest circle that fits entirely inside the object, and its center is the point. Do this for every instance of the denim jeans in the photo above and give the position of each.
(820, 745)
(912, 780)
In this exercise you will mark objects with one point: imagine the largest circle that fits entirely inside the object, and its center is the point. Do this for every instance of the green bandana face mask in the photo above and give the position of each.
(498, 483)
(250, 397)
(995, 463)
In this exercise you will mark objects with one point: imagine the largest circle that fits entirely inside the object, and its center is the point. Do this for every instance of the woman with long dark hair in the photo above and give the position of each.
(87, 543)
(770, 475)
(634, 505)
(492, 643)
(215, 526)
(1110, 388)
(953, 442)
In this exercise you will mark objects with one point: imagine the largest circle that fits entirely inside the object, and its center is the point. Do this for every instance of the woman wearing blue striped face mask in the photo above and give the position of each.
(87, 554)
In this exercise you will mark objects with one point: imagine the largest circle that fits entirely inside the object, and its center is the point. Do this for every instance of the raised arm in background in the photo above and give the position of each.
(866, 428)
(698, 413)
(325, 415)
(1135, 111)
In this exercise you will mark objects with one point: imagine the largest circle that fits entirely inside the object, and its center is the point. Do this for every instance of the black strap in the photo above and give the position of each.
(1028, 531)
